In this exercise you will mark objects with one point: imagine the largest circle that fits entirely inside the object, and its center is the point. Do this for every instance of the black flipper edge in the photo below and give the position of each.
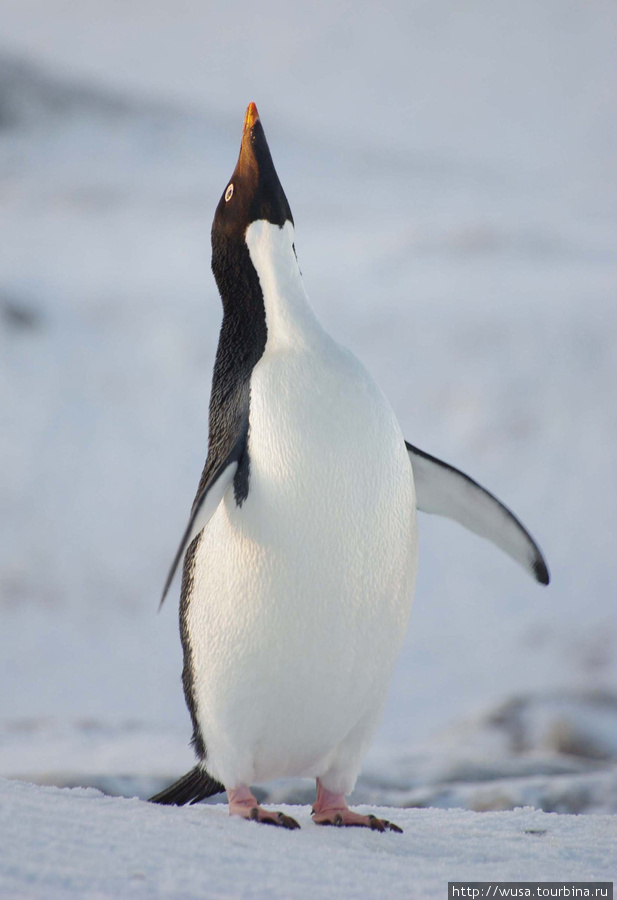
(205, 506)
(445, 491)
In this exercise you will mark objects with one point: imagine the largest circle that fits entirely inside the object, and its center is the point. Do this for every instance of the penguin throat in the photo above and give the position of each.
(289, 316)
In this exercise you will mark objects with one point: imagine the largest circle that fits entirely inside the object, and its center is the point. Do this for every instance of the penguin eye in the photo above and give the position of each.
(229, 193)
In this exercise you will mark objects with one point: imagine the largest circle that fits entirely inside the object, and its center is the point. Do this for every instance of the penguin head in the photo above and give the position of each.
(252, 194)
(254, 191)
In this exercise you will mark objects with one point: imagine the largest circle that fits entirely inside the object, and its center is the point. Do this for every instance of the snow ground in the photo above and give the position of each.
(462, 244)
(67, 843)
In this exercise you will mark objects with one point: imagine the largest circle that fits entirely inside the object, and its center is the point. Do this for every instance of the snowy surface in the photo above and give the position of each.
(67, 843)
(455, 207)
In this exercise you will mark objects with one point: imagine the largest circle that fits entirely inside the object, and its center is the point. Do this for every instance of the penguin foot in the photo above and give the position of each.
(332, 809)
(243, 803)
(345, 817)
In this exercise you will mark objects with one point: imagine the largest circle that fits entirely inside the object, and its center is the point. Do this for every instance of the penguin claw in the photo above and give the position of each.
(376, 824)
(257, 814)
(288, 822)
(383, 825)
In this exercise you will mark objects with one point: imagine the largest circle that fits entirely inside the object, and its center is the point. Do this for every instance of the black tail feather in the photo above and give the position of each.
(196, 785)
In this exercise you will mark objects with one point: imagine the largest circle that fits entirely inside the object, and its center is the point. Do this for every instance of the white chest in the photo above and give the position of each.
(301, 595)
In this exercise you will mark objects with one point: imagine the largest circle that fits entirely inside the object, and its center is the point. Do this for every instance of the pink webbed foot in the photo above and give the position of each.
(332, 809)
(243, 803)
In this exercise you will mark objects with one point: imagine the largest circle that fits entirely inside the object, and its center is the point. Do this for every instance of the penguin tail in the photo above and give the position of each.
(196, 785)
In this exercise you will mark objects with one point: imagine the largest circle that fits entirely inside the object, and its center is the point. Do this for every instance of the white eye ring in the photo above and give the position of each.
(229, 193)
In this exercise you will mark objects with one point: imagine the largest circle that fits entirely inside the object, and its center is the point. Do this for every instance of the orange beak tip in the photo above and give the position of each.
(251, 117)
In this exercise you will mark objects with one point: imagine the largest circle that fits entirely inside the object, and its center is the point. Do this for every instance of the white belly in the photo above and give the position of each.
(301, 596)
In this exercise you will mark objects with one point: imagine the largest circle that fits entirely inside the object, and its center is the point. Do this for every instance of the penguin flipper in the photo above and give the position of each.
(204, 507)
(445, 491)
(196, 785)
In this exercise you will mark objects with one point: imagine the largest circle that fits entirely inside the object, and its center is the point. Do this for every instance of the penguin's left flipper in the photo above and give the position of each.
(445, 491)
(204, 507)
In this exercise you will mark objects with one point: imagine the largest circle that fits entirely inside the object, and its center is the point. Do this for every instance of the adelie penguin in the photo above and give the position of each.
(300, 552)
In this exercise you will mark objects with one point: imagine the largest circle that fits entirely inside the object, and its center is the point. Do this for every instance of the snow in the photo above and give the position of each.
(67, 843)
(450, 171)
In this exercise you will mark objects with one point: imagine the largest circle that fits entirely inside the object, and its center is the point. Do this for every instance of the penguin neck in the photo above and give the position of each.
(290, 319)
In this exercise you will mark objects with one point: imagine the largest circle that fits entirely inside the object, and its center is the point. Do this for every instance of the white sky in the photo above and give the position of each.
(524, 82)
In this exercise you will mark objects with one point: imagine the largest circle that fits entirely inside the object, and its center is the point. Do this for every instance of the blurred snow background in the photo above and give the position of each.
(450, 167)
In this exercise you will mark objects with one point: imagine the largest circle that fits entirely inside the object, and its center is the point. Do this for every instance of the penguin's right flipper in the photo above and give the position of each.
(206, 503)
(445, 491)
(196, 785)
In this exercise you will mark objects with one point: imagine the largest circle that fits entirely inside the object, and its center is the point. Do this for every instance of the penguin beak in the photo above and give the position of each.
(250, 118)
(252, 145)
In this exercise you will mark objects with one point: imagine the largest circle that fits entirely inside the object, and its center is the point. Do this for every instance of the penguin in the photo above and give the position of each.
(300, 552)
